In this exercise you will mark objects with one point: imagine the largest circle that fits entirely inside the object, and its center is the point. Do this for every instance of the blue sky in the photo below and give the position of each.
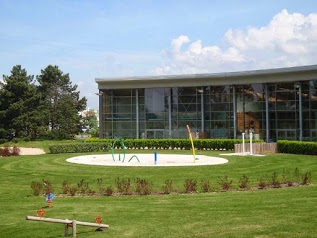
(113, 38)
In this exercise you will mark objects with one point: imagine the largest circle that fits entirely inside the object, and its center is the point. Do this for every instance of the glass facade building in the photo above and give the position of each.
(273, 104)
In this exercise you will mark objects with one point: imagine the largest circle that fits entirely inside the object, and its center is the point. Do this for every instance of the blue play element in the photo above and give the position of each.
(155, 158)
(49, 196)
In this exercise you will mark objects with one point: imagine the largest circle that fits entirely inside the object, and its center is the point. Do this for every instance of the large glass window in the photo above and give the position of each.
(186, 110)
(218, 111)
(154, 113)
(284, 106)
(250, 103)
(209, 110)
(119, 113)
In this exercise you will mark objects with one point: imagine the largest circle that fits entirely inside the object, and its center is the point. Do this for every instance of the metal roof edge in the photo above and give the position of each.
(213, 75)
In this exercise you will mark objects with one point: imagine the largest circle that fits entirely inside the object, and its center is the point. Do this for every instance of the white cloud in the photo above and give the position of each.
(287, 40)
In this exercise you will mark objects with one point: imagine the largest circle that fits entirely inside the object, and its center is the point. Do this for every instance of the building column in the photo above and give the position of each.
(101, 120)
(202, 109)
(137, 113)
(169, 114)
(300, 111)
(267, 119)
(234, 109)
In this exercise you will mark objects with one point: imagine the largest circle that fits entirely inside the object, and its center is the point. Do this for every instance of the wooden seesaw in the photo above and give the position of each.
(68, 223)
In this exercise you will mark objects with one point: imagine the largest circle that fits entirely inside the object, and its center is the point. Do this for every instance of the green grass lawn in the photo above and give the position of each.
(283, 212)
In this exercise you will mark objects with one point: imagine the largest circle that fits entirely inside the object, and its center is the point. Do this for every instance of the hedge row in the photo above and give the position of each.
(214, 144)
(297, 147)
(80, 148)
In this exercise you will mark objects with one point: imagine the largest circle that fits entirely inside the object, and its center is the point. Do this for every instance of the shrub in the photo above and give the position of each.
(286, 178)
(214, 144)
(101, 188)
(48, 187)
(190, 186)
(73, 190)
(205, 186)
(36, 188)
(79, 148)
(263, 183)
(109, 191)
(297, 175)
(168, 187)
(83, 187)
(306, 178)
(297, 147)
(5, 151)
(244, 182)
(15, 151)
(143, 187)
(224, 183)
(275, 182)
(65, 187)
(124, 186)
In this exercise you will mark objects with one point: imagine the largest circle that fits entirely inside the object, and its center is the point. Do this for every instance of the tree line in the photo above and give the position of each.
(41, 107)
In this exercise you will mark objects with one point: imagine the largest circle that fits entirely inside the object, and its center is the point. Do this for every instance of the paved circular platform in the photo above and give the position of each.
(147, 160)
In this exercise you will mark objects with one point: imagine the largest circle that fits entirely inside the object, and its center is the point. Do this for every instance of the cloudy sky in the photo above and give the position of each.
(115, 38)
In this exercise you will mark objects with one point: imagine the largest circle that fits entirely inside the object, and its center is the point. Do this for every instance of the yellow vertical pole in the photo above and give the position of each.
(191, 140)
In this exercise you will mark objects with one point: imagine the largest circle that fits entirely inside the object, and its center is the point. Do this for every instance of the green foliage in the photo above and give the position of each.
(205, 186)
(37, 188)
(168, 187)
(62, 103)
(124, 186)
(225, 183)
(200, 144)
(143, 186)
(275, 181)
(190, 186)
(48, 110)
(297, 147)
(244, 182)
(21, 113)
(79, 148)
(89, 120)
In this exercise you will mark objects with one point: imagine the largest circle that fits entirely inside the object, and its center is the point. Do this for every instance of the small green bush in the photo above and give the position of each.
(79, 148)
(244, 182)
(297, 147)
(190, 186)
(143, 187)
(168, 187)
(37, 188)
(124, 186)
(205, 186)
(200, 144)
(224, 183)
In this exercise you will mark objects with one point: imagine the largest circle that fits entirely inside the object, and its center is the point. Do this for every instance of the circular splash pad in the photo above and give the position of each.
(147, 160)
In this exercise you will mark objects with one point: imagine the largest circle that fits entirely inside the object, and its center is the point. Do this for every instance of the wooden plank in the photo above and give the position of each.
(91, 224)
(44, 219)
(65, 221)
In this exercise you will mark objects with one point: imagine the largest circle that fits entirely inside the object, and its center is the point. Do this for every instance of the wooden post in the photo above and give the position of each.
(66, 230)
(74, 228)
